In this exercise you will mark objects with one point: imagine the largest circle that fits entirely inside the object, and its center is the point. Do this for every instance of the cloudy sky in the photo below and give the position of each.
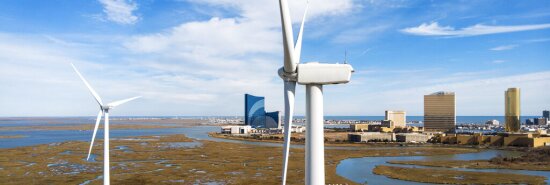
(199, 57)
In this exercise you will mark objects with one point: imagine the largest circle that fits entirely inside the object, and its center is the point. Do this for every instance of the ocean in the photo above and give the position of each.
(459, 119)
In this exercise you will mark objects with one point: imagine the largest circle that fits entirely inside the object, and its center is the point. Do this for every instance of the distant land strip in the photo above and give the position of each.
(91, 127)
(12, 136)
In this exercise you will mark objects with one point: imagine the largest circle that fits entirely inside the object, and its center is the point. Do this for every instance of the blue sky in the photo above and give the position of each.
(199, 57)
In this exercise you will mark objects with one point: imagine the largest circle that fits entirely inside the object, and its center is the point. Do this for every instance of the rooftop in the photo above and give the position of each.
(443, 93)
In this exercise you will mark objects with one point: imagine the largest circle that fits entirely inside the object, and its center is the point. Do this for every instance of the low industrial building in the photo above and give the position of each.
(359, 127)
(526, 140)
(502, 139)
(236, 129)
(385, 126)
(371, 137)
(412, 138)
(297, 129)
(445, 139)
(387, 123)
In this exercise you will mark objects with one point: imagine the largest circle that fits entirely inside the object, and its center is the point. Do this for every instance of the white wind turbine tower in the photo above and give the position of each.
(103, 110)
(313, 76)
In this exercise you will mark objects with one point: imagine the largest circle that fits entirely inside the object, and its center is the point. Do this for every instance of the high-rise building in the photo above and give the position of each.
(255, 115)
(399, 118)
(254, 111)
(512, 109)
(440, 112)
(529, 121)
(273, 119)
(546, 114)
(540, 121)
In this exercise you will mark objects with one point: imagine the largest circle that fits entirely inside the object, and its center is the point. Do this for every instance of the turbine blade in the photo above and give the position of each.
(290, 88)
(298, 47)
(120, 102)
(288, 38)
(97, 120)
(96, 96)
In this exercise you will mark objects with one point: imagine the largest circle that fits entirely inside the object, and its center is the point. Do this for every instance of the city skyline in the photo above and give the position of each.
(400, 51)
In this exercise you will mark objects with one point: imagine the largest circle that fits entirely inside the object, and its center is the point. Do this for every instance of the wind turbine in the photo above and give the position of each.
(103, 110)
(313, 76)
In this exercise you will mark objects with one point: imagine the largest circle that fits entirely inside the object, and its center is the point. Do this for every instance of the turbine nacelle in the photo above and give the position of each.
(318, 73)
(323, 74)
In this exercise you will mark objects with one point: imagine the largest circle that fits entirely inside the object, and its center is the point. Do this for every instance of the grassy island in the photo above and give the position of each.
(441, 176)
(535, 159)
(11, 136)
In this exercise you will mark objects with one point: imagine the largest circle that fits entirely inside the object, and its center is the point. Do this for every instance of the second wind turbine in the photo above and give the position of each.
(103, 110)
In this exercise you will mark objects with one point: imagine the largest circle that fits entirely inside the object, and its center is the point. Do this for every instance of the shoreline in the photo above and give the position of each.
(366, 145)
(477, 164)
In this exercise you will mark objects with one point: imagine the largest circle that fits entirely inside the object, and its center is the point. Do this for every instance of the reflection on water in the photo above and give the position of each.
(91, 159)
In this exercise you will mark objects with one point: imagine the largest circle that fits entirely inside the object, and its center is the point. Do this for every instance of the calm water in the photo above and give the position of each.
(360, 169)
(356, 169)
(35, 137)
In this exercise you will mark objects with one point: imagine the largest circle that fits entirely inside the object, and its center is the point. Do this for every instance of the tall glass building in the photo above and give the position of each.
(272, 119)
(512, 109)
(254, 111)
(440, 112)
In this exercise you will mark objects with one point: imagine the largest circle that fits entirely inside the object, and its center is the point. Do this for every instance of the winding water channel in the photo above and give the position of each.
(356, 169)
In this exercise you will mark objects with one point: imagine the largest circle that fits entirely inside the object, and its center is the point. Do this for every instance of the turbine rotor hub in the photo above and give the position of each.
(286, 76)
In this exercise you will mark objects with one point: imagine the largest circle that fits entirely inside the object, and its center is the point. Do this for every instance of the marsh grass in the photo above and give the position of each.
(147, 160)
(440, 176)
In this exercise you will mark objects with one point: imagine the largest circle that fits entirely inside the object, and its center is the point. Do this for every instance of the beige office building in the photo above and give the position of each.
(440, 112)
(512, 109)
(399, 118)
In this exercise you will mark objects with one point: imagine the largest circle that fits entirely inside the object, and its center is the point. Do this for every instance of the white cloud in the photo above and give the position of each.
(504, 47)
(120, 11)
(268, 11)
(537, 40)
(195, 68)
(434, 29)
(215, 37)
(227, 57)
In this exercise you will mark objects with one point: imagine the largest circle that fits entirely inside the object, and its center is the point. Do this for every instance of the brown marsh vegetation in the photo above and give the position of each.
(169, 159)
